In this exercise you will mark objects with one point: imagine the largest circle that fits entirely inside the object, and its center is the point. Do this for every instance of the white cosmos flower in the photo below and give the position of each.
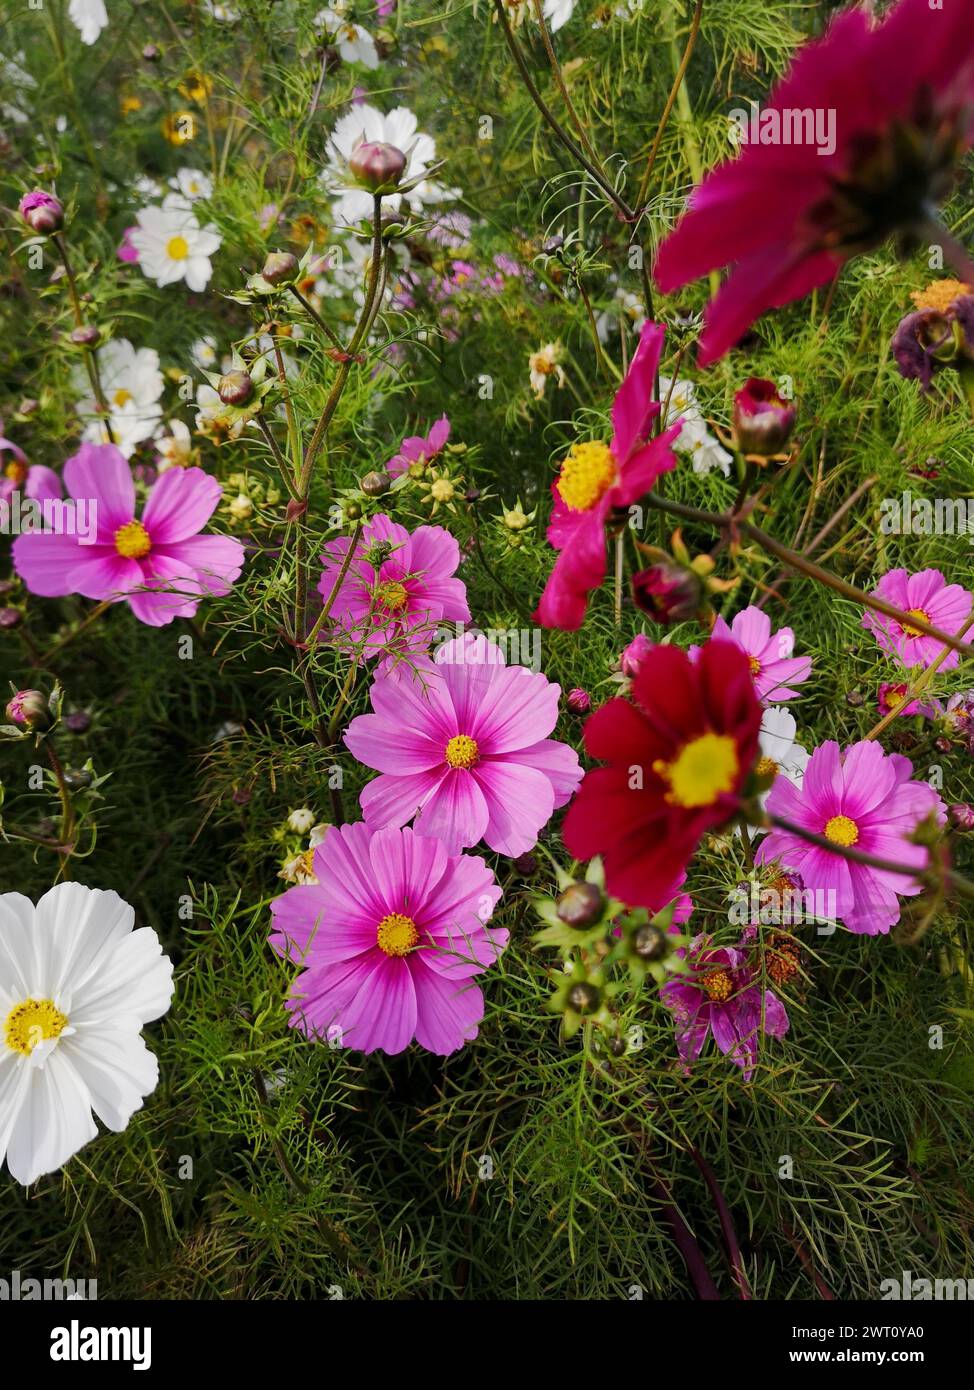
(695, 439)
(557, 13)
(89, 17)
(354, 44)
(367, 123)
(77, 985)
(626, 305)
(133, 384)
(780, 754)
(203, 352)
(175, 449)
(173, 246)
(188, 186)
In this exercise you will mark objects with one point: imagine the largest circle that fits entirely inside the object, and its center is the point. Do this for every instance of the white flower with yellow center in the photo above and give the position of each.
(354, 44)
(173, 246)
(175, 449)
(77, 985)
(695, 439)
(544, 363)
(780, 755)
(203, 353)
(132, 383)
(188, 187)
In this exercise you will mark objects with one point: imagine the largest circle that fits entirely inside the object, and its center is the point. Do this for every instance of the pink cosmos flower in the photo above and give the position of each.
(597, 478)
(33, 481)
(769, 653)
(420, 448)
(397, 588)
(390, 938)
(925, 595)
(160, 565)
(463, 746)
(126, 251)
(891, 697)
(787, 215)
(721, 996)
(864, 799)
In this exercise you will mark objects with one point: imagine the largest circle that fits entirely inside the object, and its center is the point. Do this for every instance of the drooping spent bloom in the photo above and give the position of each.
(390, 938)
(721, 997)
(420, 449)
(171, 246)
(763, 419)
(679, 754)
(769, 653)
(462, 745)
(596, 478)
(159, 564)
(939, 333)
(925, 595)
(862, 799)
(838, 187)
(77, 986)
(399, 585)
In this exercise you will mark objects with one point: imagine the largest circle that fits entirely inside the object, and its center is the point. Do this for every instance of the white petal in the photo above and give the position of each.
(53, 1122)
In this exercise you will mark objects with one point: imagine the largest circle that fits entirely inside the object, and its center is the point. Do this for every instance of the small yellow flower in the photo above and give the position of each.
(128, 104)
(939, 294)
(196, 86)
(179, 127)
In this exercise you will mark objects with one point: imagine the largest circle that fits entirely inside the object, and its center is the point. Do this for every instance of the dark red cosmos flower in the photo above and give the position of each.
(679, 754)
(786, 216)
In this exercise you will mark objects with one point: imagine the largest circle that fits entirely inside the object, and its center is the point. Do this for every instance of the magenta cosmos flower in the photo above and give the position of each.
(596, 478)
(420, 448)
(863, 799)
(769, 654)
(927, 596)
(160, 565)
(463, 746)
(398, 586)
(721, 997)
(34, 481)
(800, 200)
(390, 938)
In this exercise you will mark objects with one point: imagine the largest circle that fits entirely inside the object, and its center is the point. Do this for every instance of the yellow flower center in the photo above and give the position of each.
(767, 767)
(755, 665)
(392, 595)
(939, 295)
(704, 769)
(33, 1021)
(121, 397)
(132, 540)
(462, 751)
(396, 935)
(915, 613)
(177, 248)
(718, 985)
(842, 831)
(586, 475)
(15, 471)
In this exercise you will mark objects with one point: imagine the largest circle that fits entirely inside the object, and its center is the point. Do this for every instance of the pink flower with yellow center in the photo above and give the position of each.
(926, 596)
(597, 479)
(769, 654)
(160, 565)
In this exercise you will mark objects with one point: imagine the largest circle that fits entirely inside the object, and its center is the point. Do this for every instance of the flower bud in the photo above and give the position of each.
(962, 815)
(280, 268)
(579, 701)
(584, 998)
(28, 708)
(86, 336)
(235, 388)
(763, 419)
(78, 721)
(374, 484)
(650, 942)
(76, 779)
(151, 53)
(10, 617)
(634, 655)
(377, 166)
(42, 212)
(668, 591)
(580, 905)
(526, 865)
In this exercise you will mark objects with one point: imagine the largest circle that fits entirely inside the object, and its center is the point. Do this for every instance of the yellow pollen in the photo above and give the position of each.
(462, 751)
(33, 1021)
(718, 985)
(177, 248)
(392, 595)
(586, 475)
(121, 397)
(396, 935)
(755, 665)
(767, 767)
(939, 295)
(132, 540)
(915, 613)
(842, 831)
(704, 768)
(15, 471)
